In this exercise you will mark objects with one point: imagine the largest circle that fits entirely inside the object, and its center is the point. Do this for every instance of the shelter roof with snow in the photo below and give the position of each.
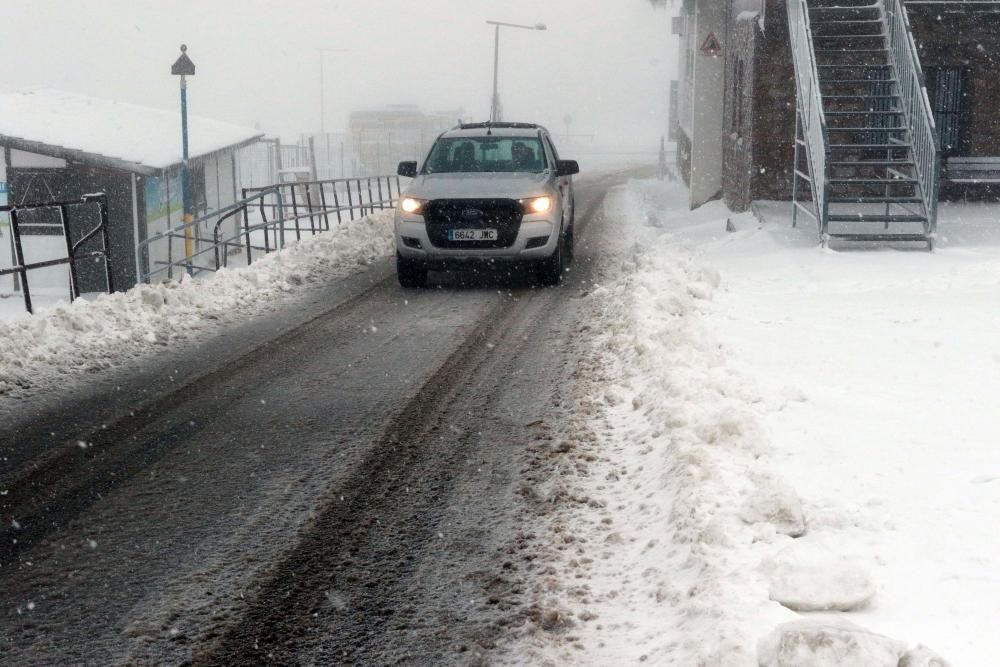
(131, 137)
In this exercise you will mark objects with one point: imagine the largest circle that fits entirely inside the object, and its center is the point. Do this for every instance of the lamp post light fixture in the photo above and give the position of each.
(495, 112)
(183, 67)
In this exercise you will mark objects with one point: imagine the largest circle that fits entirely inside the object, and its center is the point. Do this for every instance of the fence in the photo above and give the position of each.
(340, 198)
(261, 222)
(259, 163)
(74, 254)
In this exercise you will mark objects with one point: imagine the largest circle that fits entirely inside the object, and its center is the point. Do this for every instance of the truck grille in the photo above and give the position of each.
(503, 215)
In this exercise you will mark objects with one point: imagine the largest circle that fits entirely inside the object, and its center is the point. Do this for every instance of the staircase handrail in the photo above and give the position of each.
(916, 105)
(810, 101)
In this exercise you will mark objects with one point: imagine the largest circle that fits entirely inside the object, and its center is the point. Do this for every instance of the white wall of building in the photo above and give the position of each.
(706, 99)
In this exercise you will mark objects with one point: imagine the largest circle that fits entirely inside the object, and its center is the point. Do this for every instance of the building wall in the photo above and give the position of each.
(774, 107)
(758, 125)
(708, 94)
(935, 33)
(758, 138)
(383, 138)
(39, 185)
(738, 147)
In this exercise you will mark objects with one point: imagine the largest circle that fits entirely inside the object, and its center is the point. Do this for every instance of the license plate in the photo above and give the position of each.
(472, 235)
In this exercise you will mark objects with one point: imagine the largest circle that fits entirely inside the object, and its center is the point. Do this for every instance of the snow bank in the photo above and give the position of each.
(699, 538)
(65, 343)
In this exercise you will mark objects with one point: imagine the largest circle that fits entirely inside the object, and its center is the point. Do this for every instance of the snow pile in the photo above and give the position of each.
(692, 539)
(696, 508)
(810, 576)
(66, 342)
(838, 642)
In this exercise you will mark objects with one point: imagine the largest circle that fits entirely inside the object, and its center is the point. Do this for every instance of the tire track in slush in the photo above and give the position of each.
(366, 538)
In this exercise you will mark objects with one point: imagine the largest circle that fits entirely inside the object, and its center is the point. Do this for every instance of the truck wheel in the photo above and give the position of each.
(411, 274)
(550, 271)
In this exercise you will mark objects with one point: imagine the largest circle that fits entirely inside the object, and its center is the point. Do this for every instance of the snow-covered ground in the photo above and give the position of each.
(65, 342)
(793, 453)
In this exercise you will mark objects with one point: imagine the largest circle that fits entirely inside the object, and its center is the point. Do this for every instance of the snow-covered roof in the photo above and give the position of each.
(128, 136)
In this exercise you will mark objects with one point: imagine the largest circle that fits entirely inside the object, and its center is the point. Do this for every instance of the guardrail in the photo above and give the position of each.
(809, 117)
(73, 254)
(262, 221)
(916, 105)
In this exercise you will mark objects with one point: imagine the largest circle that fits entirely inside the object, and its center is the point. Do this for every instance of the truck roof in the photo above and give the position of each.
(496, 129)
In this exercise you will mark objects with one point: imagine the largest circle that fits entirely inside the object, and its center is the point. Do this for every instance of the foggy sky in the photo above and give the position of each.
(606, 63)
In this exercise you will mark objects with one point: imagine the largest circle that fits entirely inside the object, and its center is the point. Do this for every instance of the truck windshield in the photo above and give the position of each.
(486, 154)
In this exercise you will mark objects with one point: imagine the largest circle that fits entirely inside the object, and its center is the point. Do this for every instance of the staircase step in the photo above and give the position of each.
(821, 22)
(863, 112)
(861, 97)
(868, 129)
(854, 82)
(872, 181)
(901, 238)
(872, 163)
(879, 35)
(855, 147)
(864, 217)
(861, 66)
(849, 51)
(875, 200)
(842, 9)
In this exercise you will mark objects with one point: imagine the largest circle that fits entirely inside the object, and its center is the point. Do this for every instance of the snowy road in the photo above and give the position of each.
(337, 490)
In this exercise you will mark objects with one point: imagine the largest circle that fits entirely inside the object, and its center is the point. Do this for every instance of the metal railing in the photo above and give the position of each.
(316, 203)
(210, 253)
(73, 254)
(811, 131)
(916, 105)
(262, 222)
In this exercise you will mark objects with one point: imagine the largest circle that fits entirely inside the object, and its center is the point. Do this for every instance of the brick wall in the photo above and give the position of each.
(774, 108)
(973, 40)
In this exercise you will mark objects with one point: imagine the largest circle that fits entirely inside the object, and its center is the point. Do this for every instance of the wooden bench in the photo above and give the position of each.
(972, 170)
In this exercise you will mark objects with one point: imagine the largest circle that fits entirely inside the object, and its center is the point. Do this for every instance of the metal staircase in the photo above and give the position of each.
(866, 155)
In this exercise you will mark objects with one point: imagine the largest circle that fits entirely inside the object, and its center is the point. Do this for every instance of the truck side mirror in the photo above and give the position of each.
(567, 168)
(407, 169)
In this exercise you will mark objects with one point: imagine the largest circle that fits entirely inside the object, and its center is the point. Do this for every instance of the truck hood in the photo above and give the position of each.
(477, 186)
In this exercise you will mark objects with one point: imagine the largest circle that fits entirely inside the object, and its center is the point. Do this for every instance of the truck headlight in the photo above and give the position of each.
(536, 204)
(412, 206)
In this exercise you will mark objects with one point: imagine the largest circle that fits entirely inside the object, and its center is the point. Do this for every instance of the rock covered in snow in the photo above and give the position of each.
(810, 576)
(831, 642)
(776, 504)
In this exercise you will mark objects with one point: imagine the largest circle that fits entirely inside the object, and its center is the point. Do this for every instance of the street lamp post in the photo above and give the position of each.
(183, 67)
(495, 102)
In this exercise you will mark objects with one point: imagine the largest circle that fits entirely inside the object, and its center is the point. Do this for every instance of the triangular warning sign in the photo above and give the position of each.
(711, 45)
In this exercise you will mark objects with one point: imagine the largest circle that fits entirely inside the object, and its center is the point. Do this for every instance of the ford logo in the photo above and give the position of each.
(472, 214)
